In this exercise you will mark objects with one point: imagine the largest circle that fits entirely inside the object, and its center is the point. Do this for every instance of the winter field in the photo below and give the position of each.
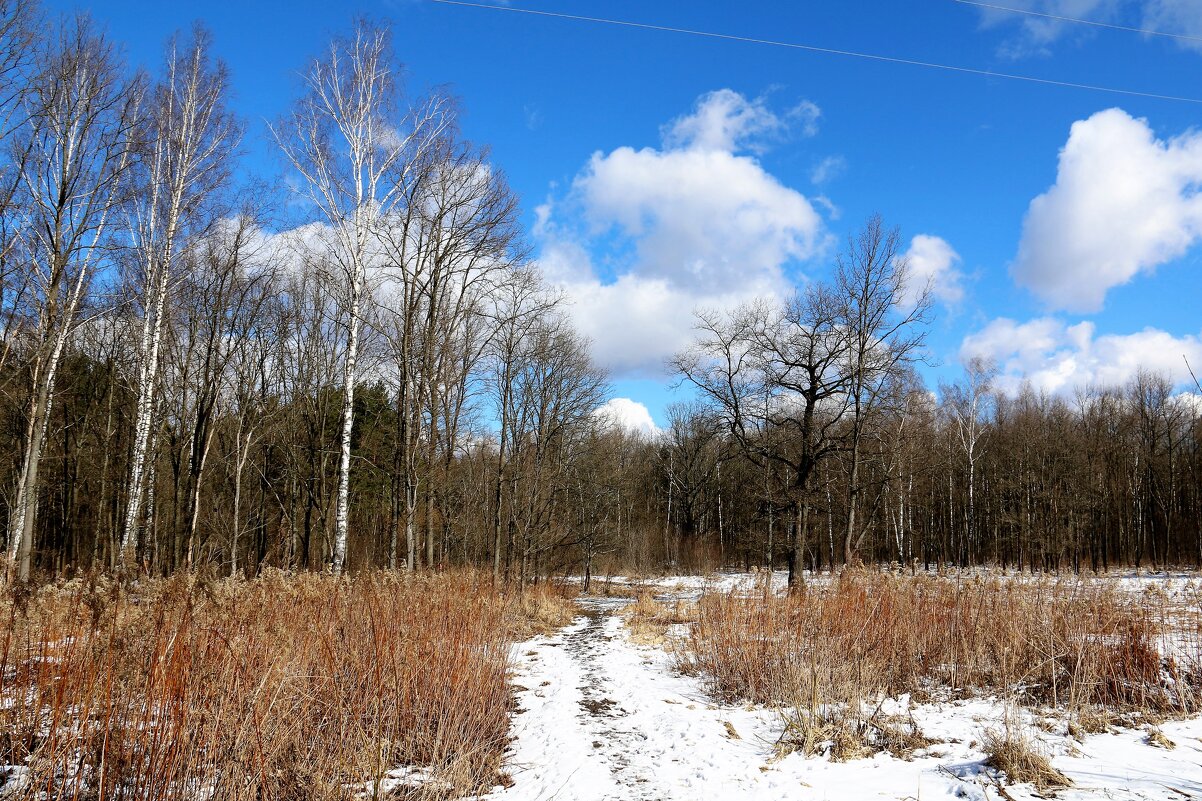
(869, 685)
(610, 714)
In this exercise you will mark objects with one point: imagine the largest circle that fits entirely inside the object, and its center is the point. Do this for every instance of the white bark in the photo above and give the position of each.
(355, 160)
(342, 523)
(191, 137)
(78, 140)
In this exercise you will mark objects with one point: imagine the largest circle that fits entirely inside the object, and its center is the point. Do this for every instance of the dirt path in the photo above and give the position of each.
(617, 738)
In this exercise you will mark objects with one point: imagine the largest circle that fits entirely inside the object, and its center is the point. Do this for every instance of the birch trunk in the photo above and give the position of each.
(191, 138)
(348, 421)
(77, 146)
(21, 526)
(355, 159)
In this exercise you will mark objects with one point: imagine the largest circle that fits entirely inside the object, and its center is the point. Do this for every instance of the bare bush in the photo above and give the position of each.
(648, 620)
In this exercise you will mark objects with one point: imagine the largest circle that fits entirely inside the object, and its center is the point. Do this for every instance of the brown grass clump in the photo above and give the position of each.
(285, 687)
(1156, 737)
(542, 608)
(648, 620)
(867, 636)
(828, 731)
(845, 732)
(1090, 720)
(900, 737)
(1021, 761)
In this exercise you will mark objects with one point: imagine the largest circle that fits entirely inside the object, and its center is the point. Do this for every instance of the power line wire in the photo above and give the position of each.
(824, 50)
(1058, 18)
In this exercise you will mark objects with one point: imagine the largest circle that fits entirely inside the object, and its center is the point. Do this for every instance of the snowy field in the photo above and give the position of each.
(604, 718)
(1184, 585)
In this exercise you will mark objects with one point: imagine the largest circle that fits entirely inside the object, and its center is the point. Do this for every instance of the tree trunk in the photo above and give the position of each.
(342, 518)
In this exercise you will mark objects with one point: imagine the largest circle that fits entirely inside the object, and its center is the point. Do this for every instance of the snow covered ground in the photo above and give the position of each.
(1185, 586)
(603, 718)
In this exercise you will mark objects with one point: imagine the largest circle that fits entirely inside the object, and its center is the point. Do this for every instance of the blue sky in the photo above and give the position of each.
(659, 172)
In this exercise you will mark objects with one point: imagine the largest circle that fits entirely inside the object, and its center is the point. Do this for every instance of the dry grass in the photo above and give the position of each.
(287, 687)
(542, 608)
(1021, 760)
(1065, 644)
(831, 654)
(1090, 720)
(610, 586)
(648, 620)
(844, 732)
(1157, 738)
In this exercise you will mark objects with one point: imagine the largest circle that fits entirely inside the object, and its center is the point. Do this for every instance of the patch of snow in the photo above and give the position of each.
(13, 780)
(405, 778)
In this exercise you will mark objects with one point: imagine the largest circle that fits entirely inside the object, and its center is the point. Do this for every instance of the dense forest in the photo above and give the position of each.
(187, 383)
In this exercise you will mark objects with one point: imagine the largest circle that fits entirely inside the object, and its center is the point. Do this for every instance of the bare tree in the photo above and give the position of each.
(17, 46)
(776, 375)
(453, 242)
(189, 138)
(472, 243)
(691, 453)
(305, 317)
(226, 284)
(254, 363)
(517, 309)
(556, 388)
(355, 151)
(883, 318)
(967, 403)
(79, 142)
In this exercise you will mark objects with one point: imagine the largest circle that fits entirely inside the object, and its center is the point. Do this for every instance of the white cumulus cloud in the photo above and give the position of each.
(933, 264)
(1058, 358)
(646, 236)
(726, 120)
(702, 216)
(1124, 202)
(629, 415)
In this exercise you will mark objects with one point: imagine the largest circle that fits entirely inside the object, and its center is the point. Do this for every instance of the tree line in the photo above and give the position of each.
(388, 382)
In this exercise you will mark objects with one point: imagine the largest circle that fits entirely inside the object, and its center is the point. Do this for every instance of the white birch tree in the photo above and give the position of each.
(353, 148)
(189, 139)
(967, 403)
(78, 140)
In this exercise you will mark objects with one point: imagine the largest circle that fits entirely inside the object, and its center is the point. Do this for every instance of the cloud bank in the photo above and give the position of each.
(1058, 358)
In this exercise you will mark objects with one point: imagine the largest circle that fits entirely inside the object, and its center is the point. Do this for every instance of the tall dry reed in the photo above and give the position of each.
(286, 687)
(870, 635)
